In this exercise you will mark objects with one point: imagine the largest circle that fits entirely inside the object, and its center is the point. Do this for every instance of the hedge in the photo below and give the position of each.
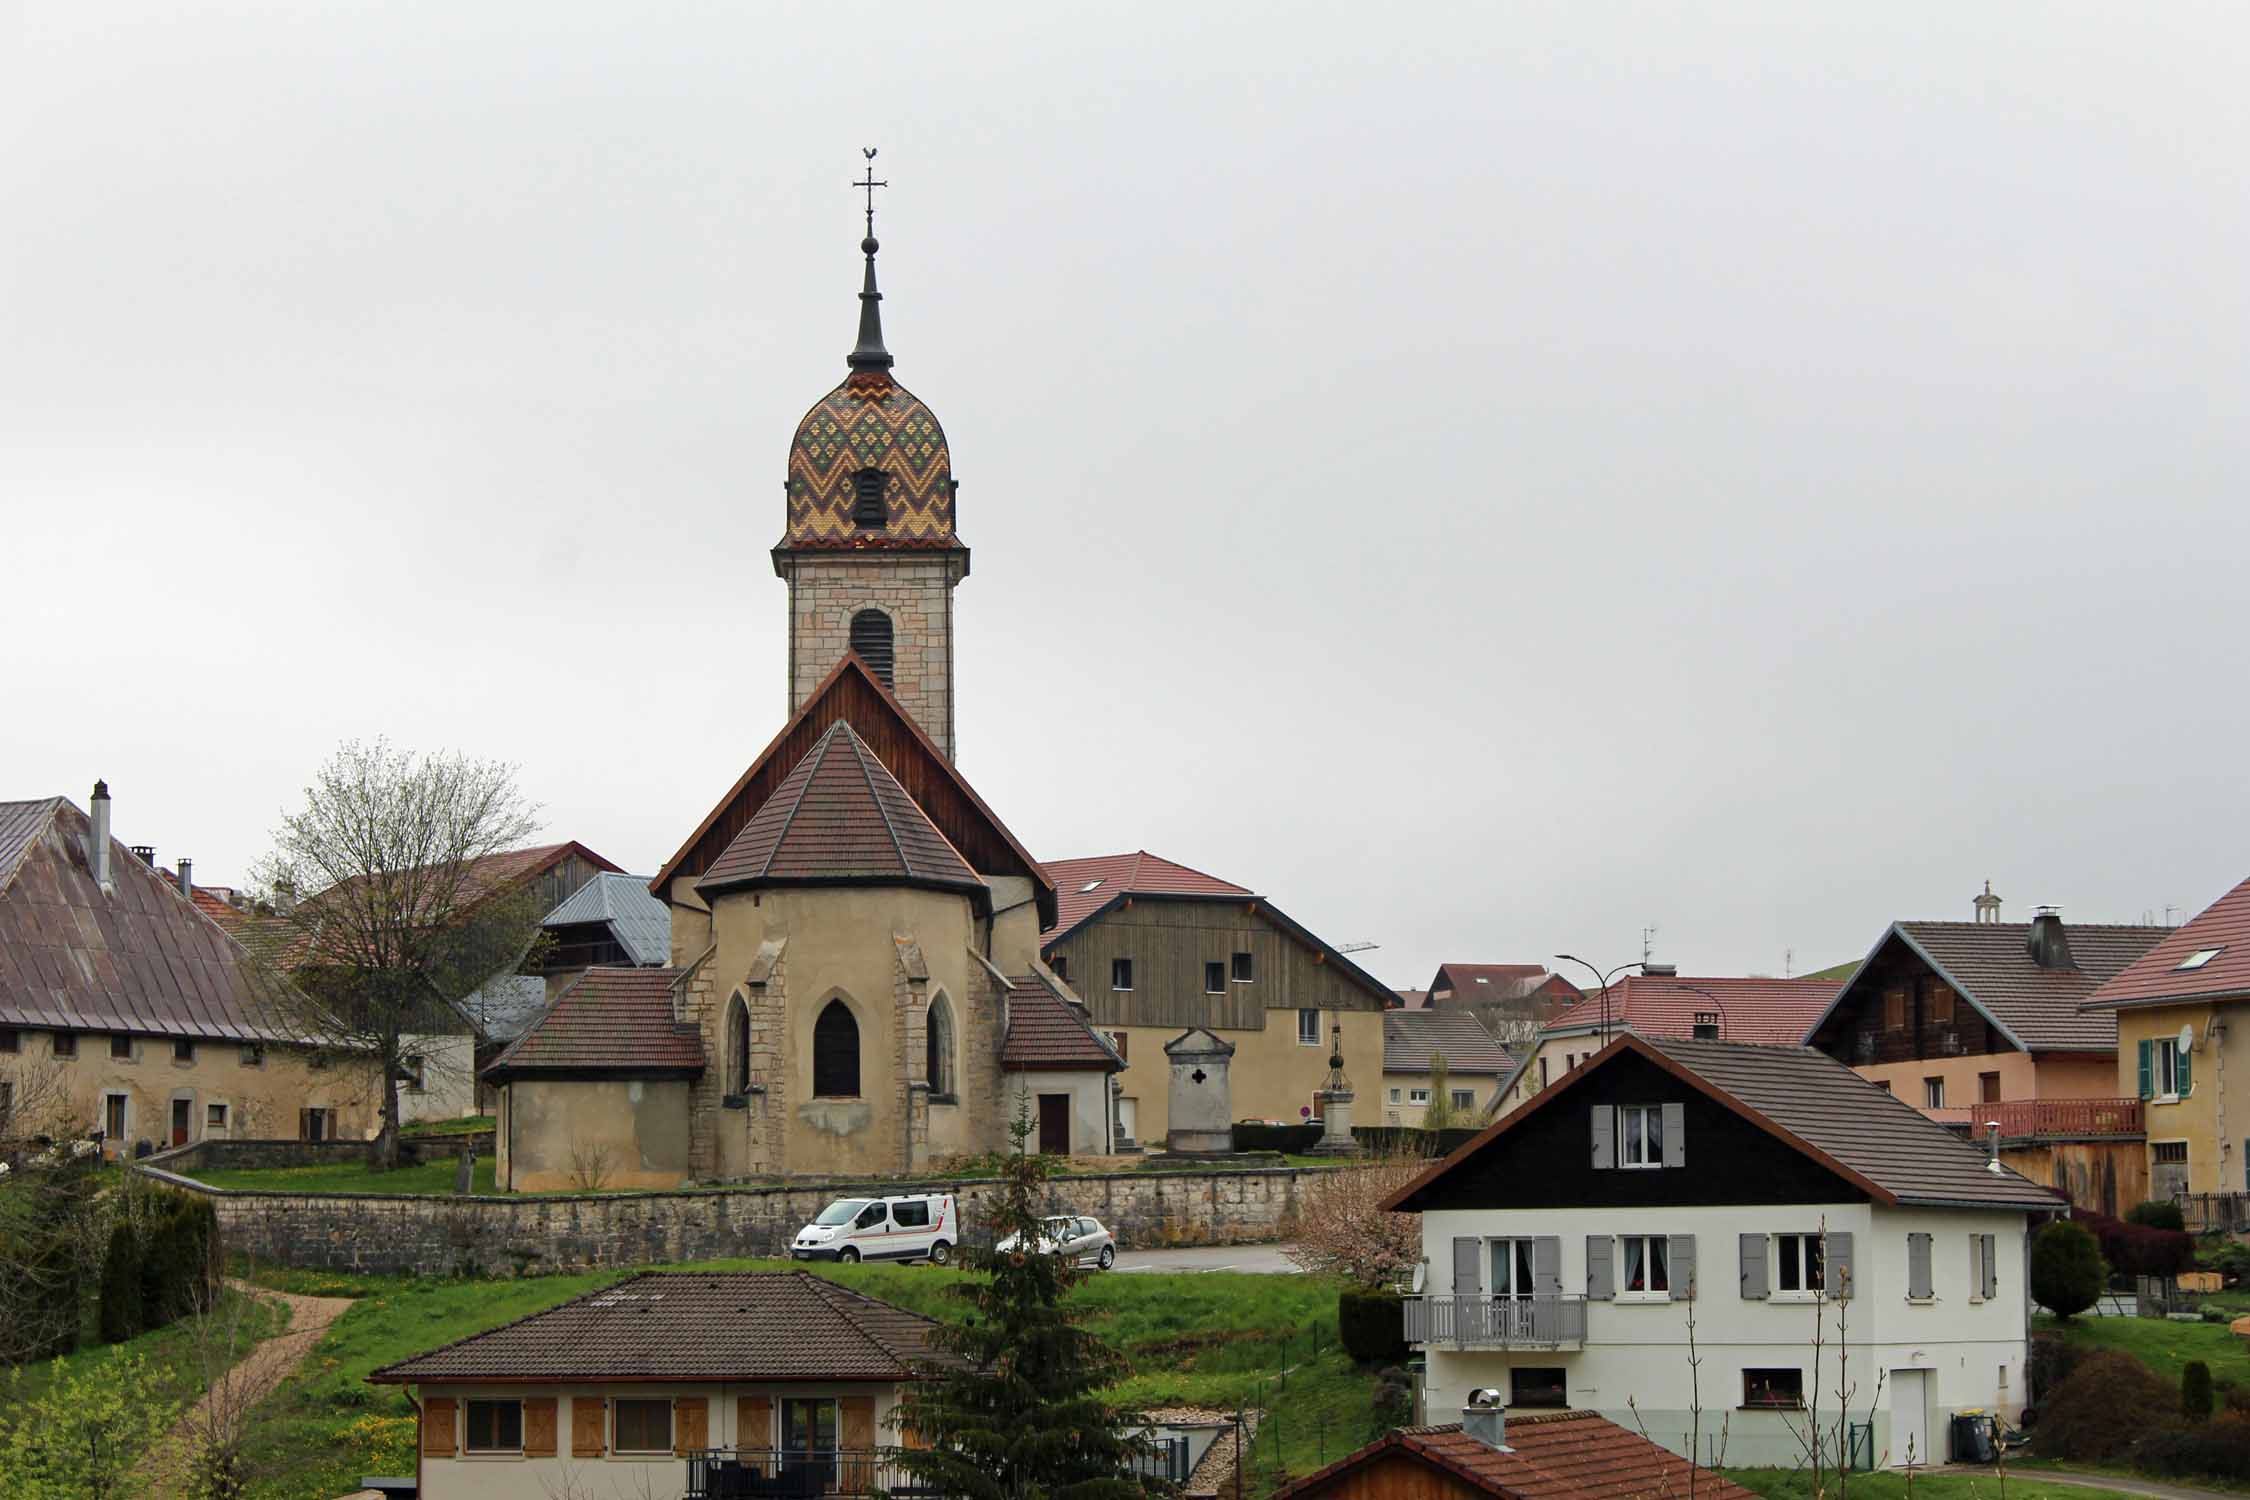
(1391, 1140)
(1372, 1325)
(1294, 1140)
(121, 1285)
(2137, 1250)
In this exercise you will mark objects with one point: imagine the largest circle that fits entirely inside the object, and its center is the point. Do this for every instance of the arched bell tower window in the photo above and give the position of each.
(738, 1045)
(871, 638)
(868, 511)
(939, 1063)
(835, 1053)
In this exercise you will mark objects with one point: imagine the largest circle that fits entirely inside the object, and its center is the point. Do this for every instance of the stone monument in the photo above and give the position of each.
(1200, 1108)
(1336, 1106)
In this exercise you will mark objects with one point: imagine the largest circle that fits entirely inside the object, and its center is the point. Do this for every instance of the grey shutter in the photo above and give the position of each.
(1917, 1265)
(1605, 1137)
(1546, 1263)
(1976, 1265)
(1990, 1258)
(1601, 1279)
(1838, 1272)
(1754, 1285)
(1675, 1135)
(1465, 1266)
(1682, 1256)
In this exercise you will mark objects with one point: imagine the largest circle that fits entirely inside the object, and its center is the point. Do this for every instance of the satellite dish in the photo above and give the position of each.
(2187, 1036)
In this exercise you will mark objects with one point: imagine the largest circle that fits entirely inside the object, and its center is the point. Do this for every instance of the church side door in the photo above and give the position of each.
(1054, 1124)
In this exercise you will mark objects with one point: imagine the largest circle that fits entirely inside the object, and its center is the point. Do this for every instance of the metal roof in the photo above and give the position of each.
(641, 924)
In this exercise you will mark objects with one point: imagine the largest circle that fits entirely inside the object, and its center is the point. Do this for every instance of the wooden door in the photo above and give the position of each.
(180, 1110)
(1054, 1124)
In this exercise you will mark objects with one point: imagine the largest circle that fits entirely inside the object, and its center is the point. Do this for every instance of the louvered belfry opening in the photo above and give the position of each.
(835, 1053)
(871, 638)
(869, 513)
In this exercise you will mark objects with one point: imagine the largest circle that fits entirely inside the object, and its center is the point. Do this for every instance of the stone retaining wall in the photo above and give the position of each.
(235, 1156)
(517, 1235)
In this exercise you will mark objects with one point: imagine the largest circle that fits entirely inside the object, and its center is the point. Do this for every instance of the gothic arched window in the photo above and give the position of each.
(868, 510)
(738, 1045)
(871, 638)
(939, 1069)
(835, 1053)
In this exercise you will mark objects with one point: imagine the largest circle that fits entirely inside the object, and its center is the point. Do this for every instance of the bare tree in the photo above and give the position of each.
(1439, 1114)
(1343, 1229)
(398, 921)
(592, 1164)
(221, 1335)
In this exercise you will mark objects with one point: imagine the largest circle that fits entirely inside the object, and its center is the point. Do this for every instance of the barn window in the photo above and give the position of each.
(835, 1053)
(871, 638)
(738, 1045)
(939, 1063)
(868, 510)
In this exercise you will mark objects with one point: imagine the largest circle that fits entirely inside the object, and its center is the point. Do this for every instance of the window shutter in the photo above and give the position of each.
(539, 1427)
(1675, 1135)
(857, 1429)
(691, 1425)
(1546, 1263)
(2148, 1072)
(1601, 1280)
(1976, 1267)
(1917, 1265)
(1753, 1253)
(753, 1423)
(1837, 1274)
(437, 1427)
(586, 1423)
(2186, 1073)
(1991, 1260)
(1682, 1267)
(1464, 1266)
(1605, 1137)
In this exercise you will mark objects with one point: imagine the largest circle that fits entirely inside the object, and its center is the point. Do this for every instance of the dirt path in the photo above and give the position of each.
(253, 1378)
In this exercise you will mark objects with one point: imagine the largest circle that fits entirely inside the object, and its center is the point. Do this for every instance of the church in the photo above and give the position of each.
(860, 977)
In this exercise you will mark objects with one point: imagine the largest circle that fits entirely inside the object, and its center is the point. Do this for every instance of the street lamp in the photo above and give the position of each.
(1573, 958)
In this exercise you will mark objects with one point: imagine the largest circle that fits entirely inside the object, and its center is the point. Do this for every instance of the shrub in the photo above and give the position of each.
(2052, 1358)
(2196, 1395)
(121, 1285)
(179, 1258)
(2067, 1275)
(2107, 1404)
(1295, 1140)
(1373, 1326)
(2219, 1449)
(2137, 1249)
(2156, 1214)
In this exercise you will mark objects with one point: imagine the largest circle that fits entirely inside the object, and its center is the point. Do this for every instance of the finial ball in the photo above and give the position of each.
(870, 245)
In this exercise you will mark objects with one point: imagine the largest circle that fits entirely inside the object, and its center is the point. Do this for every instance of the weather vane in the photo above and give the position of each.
(869, 182)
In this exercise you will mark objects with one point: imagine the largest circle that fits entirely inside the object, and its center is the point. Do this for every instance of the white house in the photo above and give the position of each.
(1759, 1189)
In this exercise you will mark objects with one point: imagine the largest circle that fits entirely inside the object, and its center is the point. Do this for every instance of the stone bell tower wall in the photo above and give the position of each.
(915, 590)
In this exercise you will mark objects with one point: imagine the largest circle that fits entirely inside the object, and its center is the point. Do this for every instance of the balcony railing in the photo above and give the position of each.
(1545, 1320)
(2034, 1119)
(775, 1474)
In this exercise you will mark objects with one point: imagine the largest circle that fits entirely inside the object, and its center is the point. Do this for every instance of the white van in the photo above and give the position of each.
(909, 1226)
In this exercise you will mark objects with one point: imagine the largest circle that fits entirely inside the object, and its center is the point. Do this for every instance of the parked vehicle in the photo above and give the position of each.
(1084, 1240)
(905, 1226)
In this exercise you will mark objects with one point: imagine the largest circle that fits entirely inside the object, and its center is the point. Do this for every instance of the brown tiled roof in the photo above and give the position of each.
(2156, 976)
(840, 816)
(1814, 1103)
(1563, 1455)
(1411, 1036)
(1084, 886)
(1989, 965)
(607, 1020)
(1772, 1011)
(1046, 1031)
(138, 957)
(1473, 982)
(1413, 999)
(690, 1326)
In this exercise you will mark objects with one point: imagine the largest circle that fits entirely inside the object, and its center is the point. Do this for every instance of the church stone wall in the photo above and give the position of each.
(915, 591)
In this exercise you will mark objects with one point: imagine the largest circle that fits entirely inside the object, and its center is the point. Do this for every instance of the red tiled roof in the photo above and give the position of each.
(607, 1020)
(1563, 1455)
(1047, 1031)
(840, 816)
(2156, 976)
(214, 906)
(1084, 886)
(1475, 981)
(1775, 1012)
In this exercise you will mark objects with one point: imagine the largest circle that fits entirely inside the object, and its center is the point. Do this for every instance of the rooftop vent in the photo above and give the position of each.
(2048, 945)
(1485, 1418)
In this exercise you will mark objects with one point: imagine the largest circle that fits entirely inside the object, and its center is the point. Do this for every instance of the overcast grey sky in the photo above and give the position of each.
(1489, 478)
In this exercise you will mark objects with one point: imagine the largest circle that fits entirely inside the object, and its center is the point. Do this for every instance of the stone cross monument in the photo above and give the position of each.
(1200, 1109)
(1336, 1106)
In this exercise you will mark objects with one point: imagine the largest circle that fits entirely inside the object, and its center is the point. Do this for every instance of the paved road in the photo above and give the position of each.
(1208, 1258)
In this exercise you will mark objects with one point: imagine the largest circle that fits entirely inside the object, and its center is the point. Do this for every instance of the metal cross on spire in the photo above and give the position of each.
(868, 182)
(870, 355)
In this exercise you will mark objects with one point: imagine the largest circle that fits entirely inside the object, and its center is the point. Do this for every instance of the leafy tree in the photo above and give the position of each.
(2197, 1399)
(2067, 1274)
(81, 1437)
(398, 921)
(1011, 1408)
(2157, 1214)
(1439, 1116)
(1344, 1230)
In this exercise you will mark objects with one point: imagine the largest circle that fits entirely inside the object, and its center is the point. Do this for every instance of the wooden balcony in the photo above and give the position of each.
(1546, 1320)
(2047, 1119)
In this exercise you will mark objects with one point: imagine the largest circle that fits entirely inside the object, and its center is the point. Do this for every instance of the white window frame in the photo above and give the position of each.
(1394, 1096)
(1516, 1254)
(225, 1120)
(2164, 1070)
(1647, 1139)
(1652, 1246)
(1417, 1096)
(1792, 1248)
(1127, 973)
(1305, 1039)
(1933, 1092)
(1464, 1098)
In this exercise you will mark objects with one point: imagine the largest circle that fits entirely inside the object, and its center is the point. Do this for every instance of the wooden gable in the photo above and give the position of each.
(1897, 1008)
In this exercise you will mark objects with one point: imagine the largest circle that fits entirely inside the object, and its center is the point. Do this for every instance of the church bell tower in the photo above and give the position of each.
(870, 553)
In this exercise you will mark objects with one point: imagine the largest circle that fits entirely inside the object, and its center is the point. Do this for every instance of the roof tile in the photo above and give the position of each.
(1410, 1037)
(1772, 1011)
(2156, 976)
(1084, 886)
(1046, 1031)
(607, 1020)
(1564, 1455)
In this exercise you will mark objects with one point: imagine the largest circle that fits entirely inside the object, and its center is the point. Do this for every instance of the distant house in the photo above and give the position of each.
(118, 991)
(1764, 1184)
(1983, 1022)
(1772, 1012)
(611, 921)
(1530, 990)
(1536, 1455)
(2175, 1007)
(672, 1384)
(1474, 1063)
(1413, 999)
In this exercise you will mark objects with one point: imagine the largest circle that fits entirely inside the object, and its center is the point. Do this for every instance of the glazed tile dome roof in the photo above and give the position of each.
(870, 423)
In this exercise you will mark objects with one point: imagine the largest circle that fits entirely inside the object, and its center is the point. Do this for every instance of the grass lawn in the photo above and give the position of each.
(466, 1125)
(1796, 1484)
(435, 1177)
(2164, 1346)
(1215, 1340)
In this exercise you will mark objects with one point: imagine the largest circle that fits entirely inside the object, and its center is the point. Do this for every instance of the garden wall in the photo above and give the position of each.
(230, 1156)
(516, 1235)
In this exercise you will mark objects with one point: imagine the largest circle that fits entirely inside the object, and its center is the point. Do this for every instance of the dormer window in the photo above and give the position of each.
(868, 511)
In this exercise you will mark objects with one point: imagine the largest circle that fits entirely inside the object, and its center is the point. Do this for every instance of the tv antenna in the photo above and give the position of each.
(1356, 947)
(1648, 944)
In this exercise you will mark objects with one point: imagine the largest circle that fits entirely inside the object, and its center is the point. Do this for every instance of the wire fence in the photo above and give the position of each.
(1265, 1424)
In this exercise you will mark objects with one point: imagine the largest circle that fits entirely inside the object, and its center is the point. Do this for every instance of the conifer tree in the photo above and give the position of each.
(1011, 1408)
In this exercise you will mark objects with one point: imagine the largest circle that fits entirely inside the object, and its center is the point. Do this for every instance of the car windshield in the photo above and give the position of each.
(842, 1211)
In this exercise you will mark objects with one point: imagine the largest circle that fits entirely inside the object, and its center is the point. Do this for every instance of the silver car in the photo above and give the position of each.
(1084, 1240)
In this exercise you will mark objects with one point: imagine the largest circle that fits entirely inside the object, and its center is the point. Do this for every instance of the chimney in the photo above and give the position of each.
(1992, 1145)
(1485, 1418)
(98, 855)
(2048, 945)
(1660, 971)
(187, 880)
(284, 897)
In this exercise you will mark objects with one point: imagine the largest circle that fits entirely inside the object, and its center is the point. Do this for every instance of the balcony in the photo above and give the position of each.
(2046, 1119)
(1546, 1320)
(772, 1474)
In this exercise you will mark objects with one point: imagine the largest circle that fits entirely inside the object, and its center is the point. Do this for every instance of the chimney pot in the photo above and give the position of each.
(1485, 1418)
(187, 877)
(2048, 945)
(98, 855)
(284, 897)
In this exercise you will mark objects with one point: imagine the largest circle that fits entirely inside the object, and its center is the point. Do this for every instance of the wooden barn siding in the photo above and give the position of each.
(1857, 1037)
(1396, 1477)
(1170, 942)
(2103, 1177)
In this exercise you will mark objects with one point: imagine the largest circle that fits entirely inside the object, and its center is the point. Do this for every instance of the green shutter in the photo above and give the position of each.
(2186, 1077)
(2148, 1076)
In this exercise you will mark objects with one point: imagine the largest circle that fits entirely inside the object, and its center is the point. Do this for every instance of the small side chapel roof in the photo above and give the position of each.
(607, 1021)
(1046, 1031)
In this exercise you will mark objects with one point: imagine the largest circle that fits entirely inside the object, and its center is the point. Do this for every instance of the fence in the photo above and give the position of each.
(2214, 1213)
(1543, 1320)
(2052, 1119)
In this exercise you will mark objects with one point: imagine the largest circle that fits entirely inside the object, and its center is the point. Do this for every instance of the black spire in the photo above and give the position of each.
(870, 355)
